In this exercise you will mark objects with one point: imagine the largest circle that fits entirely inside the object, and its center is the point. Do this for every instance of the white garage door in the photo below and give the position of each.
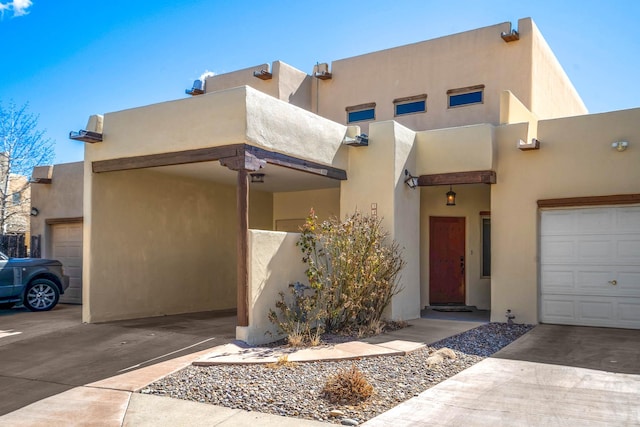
(590, 266)
(67, 248)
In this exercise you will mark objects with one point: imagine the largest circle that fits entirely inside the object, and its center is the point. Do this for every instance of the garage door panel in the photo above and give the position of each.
(558, 249)
(579, 264)
(628, 249)
(559, 309)
(558, 280)
(594, 249)
(630, 311)
(596, 310)
(628, 283)
(594, 221)
(67, 247)
(628, 220)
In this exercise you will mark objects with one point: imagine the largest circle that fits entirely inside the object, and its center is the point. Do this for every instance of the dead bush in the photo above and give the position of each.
(348, 387)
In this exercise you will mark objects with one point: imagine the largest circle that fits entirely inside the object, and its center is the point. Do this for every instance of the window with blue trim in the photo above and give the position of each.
(466, 96)
(410, 105)
(361, 113)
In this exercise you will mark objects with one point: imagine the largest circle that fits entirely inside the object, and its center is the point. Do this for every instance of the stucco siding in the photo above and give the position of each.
(159, 245)
(60, 199)
(575, 159)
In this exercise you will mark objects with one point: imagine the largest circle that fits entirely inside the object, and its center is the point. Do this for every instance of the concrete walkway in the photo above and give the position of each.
(496, 391)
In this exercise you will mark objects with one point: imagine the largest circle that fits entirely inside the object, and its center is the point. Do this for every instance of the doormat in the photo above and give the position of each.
(453, 310)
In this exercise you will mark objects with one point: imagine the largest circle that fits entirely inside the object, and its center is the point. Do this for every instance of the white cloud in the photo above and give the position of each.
(19, 7)
(206, 74)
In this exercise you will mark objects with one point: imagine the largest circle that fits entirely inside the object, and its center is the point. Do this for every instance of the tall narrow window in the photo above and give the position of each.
(486, 247)
(466, 96)
(361, 113)
(410, 105)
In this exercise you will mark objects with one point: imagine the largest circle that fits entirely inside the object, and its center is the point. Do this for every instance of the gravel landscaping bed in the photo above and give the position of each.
(295, 390)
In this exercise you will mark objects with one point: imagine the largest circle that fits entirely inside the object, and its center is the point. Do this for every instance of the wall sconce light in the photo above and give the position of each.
(257, 178)
(410, 180)
(620, 145)
(451, 197)
(35, 211)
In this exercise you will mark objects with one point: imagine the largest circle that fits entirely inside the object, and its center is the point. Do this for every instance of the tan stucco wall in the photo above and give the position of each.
(432, 67)
(58, 200)
(470, 201)
(553, 94)
(240, 115)
(243, 77)
(260, 210)
(294, 205)
(158, 244)
(287, 83)
(466, 148)
(285, 128)
(575, 159)
(274, 263)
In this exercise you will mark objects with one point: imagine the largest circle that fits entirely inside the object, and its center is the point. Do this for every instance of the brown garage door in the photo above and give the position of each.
(67, 248)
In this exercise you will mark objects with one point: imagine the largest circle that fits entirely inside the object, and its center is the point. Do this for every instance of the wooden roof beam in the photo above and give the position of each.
(458, 178)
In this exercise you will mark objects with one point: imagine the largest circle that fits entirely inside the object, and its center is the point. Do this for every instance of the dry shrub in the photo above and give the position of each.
(353, 273)
(282, 362)
(347, 386)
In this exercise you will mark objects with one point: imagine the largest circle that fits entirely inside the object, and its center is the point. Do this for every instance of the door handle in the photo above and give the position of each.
(613, 282)
(462, 264)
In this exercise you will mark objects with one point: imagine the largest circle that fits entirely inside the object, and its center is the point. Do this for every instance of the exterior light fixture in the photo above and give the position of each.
(257, 178)
(451, 197)
(410, 180)
(620, 145)
(35, 211)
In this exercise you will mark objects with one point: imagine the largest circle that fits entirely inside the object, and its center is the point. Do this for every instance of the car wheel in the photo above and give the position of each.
(6, 305)
(41, 295)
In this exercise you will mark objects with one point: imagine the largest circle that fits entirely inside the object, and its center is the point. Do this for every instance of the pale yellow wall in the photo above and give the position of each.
(285, 128)
(512, 110)
(234, 116)
(432, 67)
(295, 205)
(553, 94)
(294, 86)
(60, 199)
(287, 83)
(470, 201)
(575, 159)
(274, 263)
(158, 244)
(467, 148)
(242, 77)
(260, 210)
(201, 121)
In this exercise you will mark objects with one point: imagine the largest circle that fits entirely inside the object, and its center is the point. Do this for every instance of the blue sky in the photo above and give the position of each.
(73, 58)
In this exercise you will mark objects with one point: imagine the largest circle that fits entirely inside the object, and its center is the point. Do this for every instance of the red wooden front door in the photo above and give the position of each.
(446, 260)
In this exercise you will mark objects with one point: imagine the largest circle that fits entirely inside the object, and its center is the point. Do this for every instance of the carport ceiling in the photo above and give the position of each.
(276, 179)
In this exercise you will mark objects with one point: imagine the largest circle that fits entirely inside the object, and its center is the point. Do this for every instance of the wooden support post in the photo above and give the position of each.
(242, 194)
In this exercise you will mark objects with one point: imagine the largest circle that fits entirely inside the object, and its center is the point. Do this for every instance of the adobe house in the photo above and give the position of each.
(190, 205)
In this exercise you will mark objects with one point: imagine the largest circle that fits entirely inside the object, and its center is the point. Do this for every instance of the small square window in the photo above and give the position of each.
(360, 113)
(16, 198)
(466, 96)
(410, 105)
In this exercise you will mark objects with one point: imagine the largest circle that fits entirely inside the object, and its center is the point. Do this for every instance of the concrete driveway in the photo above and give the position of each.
(552, 376)
(42, 354)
